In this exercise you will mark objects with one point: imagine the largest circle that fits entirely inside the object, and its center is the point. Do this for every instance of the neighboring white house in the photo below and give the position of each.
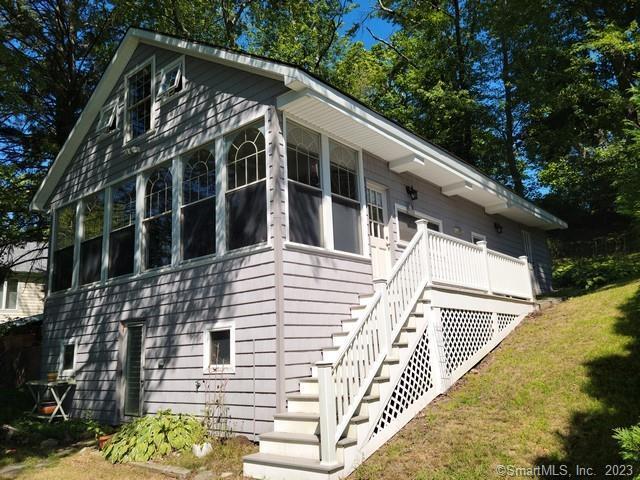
(224, 219)
(22, 290)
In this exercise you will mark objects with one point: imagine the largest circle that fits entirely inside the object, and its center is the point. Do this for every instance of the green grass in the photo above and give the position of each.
(550, 394)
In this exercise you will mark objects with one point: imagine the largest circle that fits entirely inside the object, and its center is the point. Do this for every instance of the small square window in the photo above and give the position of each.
(171, 79)
(108, 121)
(68, 359)
(219, 349)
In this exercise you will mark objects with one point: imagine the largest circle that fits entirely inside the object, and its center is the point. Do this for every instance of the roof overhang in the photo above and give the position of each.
(329, 110)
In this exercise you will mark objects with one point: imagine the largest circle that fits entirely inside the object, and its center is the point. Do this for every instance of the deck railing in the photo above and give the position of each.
(431, 258)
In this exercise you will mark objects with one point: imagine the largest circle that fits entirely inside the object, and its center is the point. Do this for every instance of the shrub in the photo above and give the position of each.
(154, 436)
(30, 431)
(629, 442)
(593, 272)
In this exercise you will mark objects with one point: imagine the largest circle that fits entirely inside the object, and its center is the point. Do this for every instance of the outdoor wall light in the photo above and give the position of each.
(457, 230)
(412, 192)
(498, 227)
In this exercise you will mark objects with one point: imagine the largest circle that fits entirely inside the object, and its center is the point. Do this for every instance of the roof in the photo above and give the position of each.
(326, 107)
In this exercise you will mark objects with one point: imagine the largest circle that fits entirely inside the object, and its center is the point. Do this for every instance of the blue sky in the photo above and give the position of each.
(364, 14)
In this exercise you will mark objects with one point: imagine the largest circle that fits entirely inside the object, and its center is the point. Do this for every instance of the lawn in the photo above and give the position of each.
(549, 395)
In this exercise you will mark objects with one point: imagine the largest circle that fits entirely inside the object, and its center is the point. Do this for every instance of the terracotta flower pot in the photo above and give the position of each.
(47, 408)
(102, 440)
(52, 376)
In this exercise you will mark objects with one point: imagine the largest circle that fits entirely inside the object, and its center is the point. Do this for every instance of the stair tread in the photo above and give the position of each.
(292, 462)
(296, 416)
(347, 442)
(301, 396)
(359, 419)
(400, 344)
(289, 437)
(381, 379)
(391, 360)
(371, 398)
(309, 380)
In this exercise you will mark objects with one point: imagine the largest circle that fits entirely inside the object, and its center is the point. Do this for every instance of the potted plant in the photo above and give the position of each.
(47, 408)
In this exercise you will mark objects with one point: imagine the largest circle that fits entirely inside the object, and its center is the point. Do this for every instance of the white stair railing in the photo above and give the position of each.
(430, 258)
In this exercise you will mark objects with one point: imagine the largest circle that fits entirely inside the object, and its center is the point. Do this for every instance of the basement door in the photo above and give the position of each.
(378, 231)
(134, 377)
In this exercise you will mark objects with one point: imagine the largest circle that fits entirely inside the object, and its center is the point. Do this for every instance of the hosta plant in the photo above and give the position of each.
(154, 436)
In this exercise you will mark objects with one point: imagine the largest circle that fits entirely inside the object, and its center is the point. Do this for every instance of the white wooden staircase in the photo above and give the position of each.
(401, 348)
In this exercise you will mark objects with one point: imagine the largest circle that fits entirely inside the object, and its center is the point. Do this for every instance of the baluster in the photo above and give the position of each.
(483, 245)
(384, 317)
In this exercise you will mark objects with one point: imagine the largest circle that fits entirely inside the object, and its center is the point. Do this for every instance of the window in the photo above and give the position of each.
(157, 219)
(108, 121)
(198, 212)
(91, 246)
(122, 228)
(478, 237)
(407, 227)
(246, 189)
(345, 201)
(305, 193)
(219, 348)
(171, 80)
(375, 209)
(63, 247)
(139, 102)
(68, 350)
(9, 298)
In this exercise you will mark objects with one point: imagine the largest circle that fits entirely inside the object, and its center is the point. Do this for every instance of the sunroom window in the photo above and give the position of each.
(345, 199)
(122, 229)
(305, 193)
(246, 189)
(63, 247)
(139, 102)
(171, 79)
(157, 219)
(199, 204)
(91, 246)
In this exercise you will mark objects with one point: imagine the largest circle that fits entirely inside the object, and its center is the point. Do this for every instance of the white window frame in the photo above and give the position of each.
(114, 118)
(5, 292)
(479, 236)
(171, 92)
(325, 184)
(218, 326)
(152, 122)
(413, 213)
(68, 373)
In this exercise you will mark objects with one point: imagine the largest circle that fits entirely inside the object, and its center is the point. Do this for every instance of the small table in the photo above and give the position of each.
(40, 387)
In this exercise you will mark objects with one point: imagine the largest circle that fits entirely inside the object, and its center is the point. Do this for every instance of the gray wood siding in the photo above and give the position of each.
(216, 99)
(176, 307)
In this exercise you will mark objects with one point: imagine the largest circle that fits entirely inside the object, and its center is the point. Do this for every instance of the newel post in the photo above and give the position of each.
(423, 227)
(327, 403)
(380, 285)
(487, 273)
(525, 263)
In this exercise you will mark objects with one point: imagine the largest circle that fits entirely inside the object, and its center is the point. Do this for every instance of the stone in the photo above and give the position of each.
(226, 475)
(205, 475)
(12, 471)
(49, 443)
(168, 470)
(202, 450)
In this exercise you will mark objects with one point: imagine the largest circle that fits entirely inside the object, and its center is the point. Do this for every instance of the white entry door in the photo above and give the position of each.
(378, 230)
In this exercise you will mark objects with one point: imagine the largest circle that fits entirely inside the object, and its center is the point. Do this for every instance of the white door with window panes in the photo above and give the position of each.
(378, 231)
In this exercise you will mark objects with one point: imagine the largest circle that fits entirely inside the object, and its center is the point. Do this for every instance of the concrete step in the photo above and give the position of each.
(264, 465)
(299, 403)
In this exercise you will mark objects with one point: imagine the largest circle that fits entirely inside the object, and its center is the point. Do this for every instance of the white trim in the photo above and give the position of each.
(327, 201)
(127, 139)
(364, 213)
(479, 236)
(68, 373)
(176, 210)
(285, 130)
(77, 244)
(171, 92)
(414, 213)
(217, 326)
(301, 247)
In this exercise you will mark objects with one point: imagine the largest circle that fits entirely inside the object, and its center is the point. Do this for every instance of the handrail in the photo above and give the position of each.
(430, 257)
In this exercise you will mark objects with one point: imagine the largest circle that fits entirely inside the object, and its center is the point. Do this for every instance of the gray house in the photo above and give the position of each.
(222, 222)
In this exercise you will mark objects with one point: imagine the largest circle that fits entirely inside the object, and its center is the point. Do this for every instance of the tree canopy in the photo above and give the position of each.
(542, 96)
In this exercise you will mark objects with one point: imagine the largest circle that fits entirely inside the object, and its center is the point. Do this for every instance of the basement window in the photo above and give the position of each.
(68, 353)
(219, 348)
(64, 239)
(305, 193)
(246, 197)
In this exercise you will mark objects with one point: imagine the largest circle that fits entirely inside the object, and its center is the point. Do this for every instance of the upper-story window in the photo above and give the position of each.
(246, 199)
(305, 192)
(9, 295)
(157, 218)
(63, 247)
(122, 228)
(91, 246)
(171, 79)
(108, 121)
(139, 101)
(198, 212)
(345, 198)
